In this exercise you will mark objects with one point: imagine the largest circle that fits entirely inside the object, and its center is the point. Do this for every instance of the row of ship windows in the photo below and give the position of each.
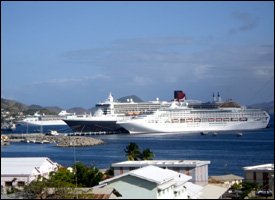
(212, 115)
(187, 120)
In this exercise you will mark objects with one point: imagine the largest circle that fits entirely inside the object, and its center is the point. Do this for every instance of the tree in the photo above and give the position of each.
(62, 178)
(132, 151)
(87, 176)
(147, 154)
(62, 184)
(58, 186)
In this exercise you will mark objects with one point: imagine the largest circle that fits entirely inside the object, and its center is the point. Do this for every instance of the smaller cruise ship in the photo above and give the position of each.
(185, 116)
(109, 112)
(46, 120)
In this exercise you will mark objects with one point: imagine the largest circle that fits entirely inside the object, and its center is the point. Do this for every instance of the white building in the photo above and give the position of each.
(197, 169)
(261, 174)
(151, 182)
(18, 172)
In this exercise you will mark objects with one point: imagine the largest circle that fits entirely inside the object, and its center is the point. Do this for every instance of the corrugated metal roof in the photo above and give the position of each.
(21, 166)
(153, 174)
(162, 163)
(228, 177)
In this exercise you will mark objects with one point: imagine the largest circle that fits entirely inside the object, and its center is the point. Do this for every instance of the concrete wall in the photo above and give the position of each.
(14, 180)
(134, 188)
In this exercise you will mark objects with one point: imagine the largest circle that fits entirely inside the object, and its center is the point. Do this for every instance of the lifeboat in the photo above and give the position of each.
(226, 119)
(197, 120)
(243, 119)
(218, 119)
(211, 119)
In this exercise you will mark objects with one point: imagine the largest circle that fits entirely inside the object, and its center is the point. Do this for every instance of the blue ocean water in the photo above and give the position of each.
(227, 152)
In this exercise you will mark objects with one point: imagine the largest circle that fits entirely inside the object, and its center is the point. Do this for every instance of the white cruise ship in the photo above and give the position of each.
(186, 117)
(46, 120)
(109, 112)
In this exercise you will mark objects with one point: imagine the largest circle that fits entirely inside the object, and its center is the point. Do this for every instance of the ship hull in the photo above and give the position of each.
(109, 126)
(142, 127)
(44, 123)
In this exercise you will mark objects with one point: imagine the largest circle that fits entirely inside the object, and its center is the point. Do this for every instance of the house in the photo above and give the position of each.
(261, 174)
(151, 182)
(226, 180)
(197, 169)
(17, 172)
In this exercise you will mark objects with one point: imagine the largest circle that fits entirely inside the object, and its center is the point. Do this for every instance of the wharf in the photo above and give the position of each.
(59, 140)
(90, 133)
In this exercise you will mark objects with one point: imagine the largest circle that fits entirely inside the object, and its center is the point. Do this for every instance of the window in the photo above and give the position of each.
(8, 183)
(265, 180)
(21, 183)
(121, 170)
(254, 177)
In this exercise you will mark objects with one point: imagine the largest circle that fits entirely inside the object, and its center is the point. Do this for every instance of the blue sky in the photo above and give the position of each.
(71, 54)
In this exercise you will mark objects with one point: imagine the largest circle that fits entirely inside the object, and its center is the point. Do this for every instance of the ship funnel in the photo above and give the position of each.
(179, 95)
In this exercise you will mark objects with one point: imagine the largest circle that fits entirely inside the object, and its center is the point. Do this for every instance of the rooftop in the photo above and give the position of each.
(22, 166)
(154, 174)
(212, 191)
(162, 163)
(223, 178)
(264, 167)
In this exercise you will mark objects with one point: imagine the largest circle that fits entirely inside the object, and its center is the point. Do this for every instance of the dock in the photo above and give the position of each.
(59, 140)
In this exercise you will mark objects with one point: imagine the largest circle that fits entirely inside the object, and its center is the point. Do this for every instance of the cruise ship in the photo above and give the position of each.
(109, 112)
(46, 120)
(185, 116)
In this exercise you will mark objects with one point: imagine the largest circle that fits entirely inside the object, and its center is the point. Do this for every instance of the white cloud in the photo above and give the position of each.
(61, 81)
(143, 81)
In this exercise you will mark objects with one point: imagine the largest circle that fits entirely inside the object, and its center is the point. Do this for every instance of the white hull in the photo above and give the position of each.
(44, 123)
(139, 126)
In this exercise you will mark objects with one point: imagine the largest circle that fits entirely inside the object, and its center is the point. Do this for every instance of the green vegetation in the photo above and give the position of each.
(243, 189)
(134, 153)
(63, 183)
(87, 176)
(66, 183)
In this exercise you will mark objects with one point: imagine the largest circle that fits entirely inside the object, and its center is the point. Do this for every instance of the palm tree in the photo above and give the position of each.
(132, 151)
(147, 154)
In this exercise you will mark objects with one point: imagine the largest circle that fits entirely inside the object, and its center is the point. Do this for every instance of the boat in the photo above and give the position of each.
(109, 112)
(203, 133)
(239, 134)
(8, 127)
(214, 117)
(46, 120)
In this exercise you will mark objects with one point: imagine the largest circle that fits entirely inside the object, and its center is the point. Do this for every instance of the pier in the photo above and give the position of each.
(90, 133)
(59, 140)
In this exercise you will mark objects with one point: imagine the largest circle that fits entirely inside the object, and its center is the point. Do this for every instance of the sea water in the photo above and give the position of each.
(227, 152)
